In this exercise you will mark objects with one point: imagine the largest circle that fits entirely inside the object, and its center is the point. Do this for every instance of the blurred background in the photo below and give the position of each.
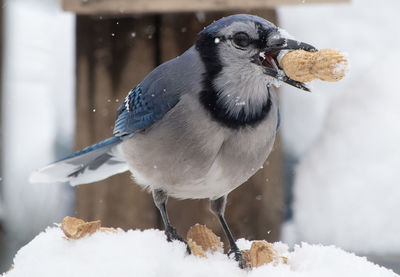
(333, 176)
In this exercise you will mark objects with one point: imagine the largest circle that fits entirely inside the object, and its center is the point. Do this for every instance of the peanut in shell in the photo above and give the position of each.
(262, 252)
(204, 238)
(75, 228)
(303, 66)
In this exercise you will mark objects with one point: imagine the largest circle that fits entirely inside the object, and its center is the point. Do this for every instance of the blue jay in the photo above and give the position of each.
(198, 125)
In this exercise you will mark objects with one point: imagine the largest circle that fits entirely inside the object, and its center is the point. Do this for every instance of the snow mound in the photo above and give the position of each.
(147, 253)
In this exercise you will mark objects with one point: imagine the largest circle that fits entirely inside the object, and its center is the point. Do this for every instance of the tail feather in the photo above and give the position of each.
(94, 163)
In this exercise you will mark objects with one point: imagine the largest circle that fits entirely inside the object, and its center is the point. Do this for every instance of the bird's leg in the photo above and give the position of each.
(160, 200)
(217, 206)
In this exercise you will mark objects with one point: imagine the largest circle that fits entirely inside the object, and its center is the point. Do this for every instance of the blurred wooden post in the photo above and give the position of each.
(113, 55)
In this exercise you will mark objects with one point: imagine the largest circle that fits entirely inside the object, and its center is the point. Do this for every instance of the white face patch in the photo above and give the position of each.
(244, 89)
(242, 84)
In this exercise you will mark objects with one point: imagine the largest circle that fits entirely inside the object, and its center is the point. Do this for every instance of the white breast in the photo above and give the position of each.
(191, 156)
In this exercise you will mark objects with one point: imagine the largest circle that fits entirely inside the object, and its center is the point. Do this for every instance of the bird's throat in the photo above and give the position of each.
(233, 112)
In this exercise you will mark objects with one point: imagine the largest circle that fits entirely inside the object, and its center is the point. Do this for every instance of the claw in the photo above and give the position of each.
(172, 234)
(238, 256)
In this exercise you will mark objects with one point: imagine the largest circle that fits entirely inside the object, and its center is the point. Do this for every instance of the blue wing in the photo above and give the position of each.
(143, 106)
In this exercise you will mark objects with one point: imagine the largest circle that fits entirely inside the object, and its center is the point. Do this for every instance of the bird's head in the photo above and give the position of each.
(245, 44)
(240, 56)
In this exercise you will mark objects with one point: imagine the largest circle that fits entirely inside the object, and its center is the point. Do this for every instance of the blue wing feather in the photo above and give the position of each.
(104, 144)
(142, 107)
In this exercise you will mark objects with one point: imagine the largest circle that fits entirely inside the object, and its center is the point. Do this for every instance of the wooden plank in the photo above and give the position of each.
(162, 6)
(254, 209)
(112, 57)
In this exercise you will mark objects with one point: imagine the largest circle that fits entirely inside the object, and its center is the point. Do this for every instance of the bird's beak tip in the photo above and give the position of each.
(280, 44)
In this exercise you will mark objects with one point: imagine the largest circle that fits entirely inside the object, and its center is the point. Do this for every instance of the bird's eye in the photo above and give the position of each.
(241, 39)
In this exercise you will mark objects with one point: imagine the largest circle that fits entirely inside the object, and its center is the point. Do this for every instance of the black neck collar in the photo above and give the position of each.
(208, 51)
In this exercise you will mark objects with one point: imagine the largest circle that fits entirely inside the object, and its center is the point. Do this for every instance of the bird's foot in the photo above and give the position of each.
(238, 256)
(172, 234)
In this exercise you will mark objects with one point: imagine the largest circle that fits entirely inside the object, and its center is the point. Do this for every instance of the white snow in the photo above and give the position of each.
(346, 134)
(147, 253)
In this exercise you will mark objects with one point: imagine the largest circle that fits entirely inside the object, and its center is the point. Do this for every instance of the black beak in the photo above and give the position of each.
(270, 64)
(289, 44)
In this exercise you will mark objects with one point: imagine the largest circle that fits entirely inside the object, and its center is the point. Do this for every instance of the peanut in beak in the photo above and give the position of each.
(303, 66)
